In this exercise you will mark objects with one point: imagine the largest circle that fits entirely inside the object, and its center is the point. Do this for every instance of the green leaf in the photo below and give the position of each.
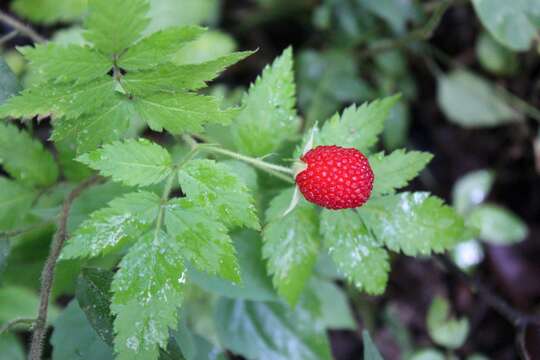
(148, 287)
(11, 347)
(158, 48)
(94, 296)
(166, 13)
(5, 249)
(112, 26)
(70, 63)
(74, 338)
(255, 285)
(213, 186)
(414, 223)
(172, 78)
(394, 171)
(356, 253)
(357, 127)
(202, 239)
(268, 115)
(370, 349)
(9, 85)
(498, 225)
(258, 330)
(395, 13)
(209, 46)
(106, 229)
(181, 112)
(132, 162)
(472, 189)
(15, 202)
(334, 310)
(471, 101)
(495, 57)
(49, 11)
(20, 302)
(72, 170)
(514, 24)
(291, 245)
(25, 158)
(428, 354)
(443, 329)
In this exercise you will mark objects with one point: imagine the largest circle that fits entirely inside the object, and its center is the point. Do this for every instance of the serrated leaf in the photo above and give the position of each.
(15, 202)
(181, 112)
(94, 297)
(173, 78)
(148, 287)
(414, 223)
(258, 330)
(370, 349)
(291, 245)
(213, 186)
(158, 48)
(25, 159)
(359, 256)
(112, 26)
(443, 329)
(394, 171)
(202, 239)
(70, 63)
(49, 11)
(124, 220)
(498, 225)
(9, 85)
(268, 116)
(132, 162)
(74, 338)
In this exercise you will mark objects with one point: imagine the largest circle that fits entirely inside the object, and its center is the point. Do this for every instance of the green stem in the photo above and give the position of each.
(164, 198)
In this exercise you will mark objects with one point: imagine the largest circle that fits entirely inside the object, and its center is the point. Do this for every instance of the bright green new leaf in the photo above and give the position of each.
(173, 78)
(268, 115)
(394, 171)
(182, 112)
(498, 225)
(24, 158)
(112, 26)
(356, 253)
(50, 11)
(443, 329)
(259, 330)
(471, 101)
(74, 338)
(472, 189)
(216, 188)
(132, 162)
(202, 239)
(124, 220)
(513, 23)
(72, 63)
(291, 245)
(414, 223)
(148, 289)
(158, 48)
(15, 202)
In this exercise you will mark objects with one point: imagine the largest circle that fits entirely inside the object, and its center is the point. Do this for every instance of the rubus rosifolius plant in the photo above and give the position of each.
(183, 222)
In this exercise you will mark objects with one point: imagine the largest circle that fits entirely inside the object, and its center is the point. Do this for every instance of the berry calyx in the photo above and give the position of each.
(335, 177)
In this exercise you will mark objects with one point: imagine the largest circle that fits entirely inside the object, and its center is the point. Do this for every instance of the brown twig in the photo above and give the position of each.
(21, 28)
(7, 326)
(47, 275)
(520, 320)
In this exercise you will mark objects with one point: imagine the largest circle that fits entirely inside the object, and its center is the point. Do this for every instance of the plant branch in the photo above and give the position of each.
(10, 35)
(20, 27)
(517, 318)
(18, 321)
(47, 275)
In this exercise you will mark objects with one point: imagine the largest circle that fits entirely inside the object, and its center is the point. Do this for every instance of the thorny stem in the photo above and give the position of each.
(47, 275)
(282, 172)
(517, 318)
(15, 322)
(20, 27)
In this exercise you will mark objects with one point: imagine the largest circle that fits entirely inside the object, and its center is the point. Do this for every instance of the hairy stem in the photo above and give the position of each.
(20, 27)
(47, 275)
(18, 321)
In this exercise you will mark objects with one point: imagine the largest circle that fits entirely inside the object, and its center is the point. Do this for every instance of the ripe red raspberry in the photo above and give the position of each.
(336, 177)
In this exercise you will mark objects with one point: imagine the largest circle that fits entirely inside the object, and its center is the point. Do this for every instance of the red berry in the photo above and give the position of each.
(336, 177)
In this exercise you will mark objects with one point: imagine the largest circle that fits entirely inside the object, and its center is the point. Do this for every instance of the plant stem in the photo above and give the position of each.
(15, 322)
(4, 39)
(164, 198)
(47, 275)
(20, 27)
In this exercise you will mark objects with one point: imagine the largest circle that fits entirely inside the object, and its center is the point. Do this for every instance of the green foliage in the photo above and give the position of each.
(268, 116)
(498, 225)
(472, 189)
(370, 349)
(20, 302)
(9, 84)
(11, 347)
(15, 203)
(494, 57)
(49, 11)
(444, 330)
